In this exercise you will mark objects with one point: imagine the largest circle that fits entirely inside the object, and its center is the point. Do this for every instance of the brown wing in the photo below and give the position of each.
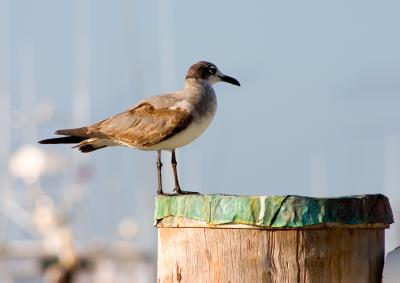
(142, 126)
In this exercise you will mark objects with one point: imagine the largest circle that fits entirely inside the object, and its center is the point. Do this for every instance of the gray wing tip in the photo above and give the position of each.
(59, 132)
(72, 132)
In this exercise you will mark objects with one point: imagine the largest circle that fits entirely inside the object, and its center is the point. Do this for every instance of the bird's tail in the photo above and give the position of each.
(80, 132)
(72, 136)
(70, 139)
(80, 137)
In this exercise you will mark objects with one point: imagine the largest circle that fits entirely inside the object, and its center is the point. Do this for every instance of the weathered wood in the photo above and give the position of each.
(281, 239)
(249, 255)
(177, 222)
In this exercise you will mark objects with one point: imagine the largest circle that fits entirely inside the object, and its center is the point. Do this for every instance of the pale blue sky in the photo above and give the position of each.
(317, 113)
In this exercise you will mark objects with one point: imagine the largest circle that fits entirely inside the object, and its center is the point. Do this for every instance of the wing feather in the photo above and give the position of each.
(142, 126)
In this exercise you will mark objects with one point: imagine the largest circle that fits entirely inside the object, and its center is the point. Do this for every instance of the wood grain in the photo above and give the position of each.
(253, 255)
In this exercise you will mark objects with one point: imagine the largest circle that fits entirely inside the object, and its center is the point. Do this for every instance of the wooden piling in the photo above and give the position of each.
(220, 238)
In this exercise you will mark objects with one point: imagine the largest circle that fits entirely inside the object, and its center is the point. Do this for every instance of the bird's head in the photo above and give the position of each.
(206, 71)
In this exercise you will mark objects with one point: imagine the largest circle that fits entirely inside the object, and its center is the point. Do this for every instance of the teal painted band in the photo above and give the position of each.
(276, 211)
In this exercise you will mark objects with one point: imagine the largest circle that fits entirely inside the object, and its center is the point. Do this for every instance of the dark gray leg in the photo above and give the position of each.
(177, 189)
(159, 165)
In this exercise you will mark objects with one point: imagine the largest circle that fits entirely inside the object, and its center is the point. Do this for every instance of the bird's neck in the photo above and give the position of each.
(197, 90)
(201, 95)
(191, 83)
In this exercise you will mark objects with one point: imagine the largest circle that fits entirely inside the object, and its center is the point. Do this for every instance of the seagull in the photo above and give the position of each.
(163, 122)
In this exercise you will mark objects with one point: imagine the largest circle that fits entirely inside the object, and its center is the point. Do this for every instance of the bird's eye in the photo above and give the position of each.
(212, 69)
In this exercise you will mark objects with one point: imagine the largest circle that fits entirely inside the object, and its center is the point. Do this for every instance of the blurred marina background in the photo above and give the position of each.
(317, 114)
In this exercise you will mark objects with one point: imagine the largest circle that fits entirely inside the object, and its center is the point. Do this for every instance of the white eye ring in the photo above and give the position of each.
(212, 69)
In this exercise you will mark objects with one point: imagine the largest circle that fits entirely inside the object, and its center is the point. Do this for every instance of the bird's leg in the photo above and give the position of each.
(177, 189)
(159, 165)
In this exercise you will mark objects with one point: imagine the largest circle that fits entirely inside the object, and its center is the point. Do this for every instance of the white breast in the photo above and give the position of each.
(186, 136)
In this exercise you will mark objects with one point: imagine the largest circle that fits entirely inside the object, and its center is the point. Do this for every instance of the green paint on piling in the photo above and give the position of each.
(276, 211)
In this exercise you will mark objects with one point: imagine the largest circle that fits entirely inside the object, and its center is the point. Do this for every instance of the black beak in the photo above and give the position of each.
(230, 80)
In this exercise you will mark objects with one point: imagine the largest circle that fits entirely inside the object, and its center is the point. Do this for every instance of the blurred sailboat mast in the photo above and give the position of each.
(5, 107)
(80, 106)
(167, 59)
(27, 91)
(81, 91)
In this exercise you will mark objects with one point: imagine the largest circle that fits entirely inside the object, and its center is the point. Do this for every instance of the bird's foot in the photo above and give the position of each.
(166, 194)
(178, 191)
